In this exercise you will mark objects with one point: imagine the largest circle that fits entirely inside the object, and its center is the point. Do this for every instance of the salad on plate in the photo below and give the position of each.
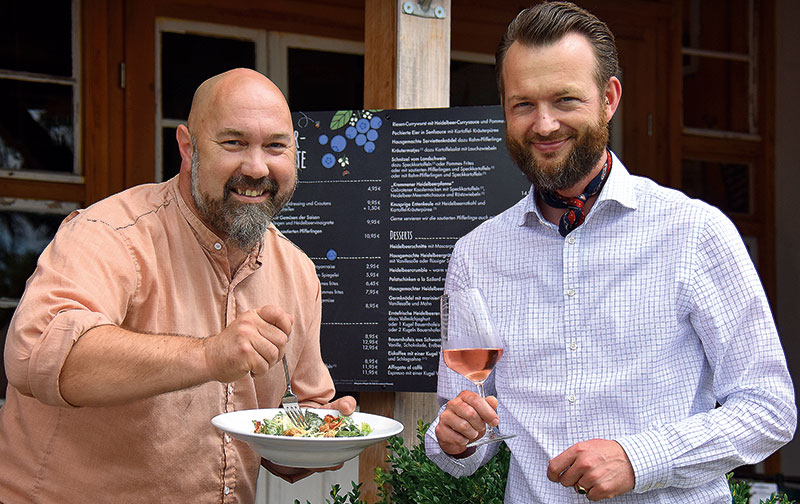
(319, 427)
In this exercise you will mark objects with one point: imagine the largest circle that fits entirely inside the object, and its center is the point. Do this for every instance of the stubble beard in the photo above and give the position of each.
(554, 175)
(242, 224)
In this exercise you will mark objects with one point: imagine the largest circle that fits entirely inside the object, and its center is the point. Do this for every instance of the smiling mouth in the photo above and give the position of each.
(253, 193)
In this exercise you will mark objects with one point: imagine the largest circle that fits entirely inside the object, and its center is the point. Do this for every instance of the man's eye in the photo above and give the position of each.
(231, 143)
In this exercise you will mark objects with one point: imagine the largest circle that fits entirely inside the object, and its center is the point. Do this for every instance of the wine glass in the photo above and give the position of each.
(470, 344)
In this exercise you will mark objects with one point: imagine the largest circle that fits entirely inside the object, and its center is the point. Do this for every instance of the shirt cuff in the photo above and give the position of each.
(457, 467)
(50, 352)
(647, 452)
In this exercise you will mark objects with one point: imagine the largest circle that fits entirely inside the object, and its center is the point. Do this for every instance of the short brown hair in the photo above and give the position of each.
(546, 23)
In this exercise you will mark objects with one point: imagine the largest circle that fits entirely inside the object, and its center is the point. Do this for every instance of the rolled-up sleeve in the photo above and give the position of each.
(85, 278)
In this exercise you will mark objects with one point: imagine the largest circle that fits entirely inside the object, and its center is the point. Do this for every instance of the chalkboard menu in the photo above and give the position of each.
(382, 197)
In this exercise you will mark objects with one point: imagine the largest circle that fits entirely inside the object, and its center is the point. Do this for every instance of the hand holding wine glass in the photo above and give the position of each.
(470, 343)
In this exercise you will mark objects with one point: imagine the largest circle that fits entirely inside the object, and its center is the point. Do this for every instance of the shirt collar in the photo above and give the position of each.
(618, 188)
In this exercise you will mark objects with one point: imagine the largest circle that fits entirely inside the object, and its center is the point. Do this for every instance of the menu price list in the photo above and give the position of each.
(382, 197)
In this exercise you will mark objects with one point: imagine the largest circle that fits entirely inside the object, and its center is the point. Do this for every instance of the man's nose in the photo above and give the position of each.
(256, 163)
(544, 122)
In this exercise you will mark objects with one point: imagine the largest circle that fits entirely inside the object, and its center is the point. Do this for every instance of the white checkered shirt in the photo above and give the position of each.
(632, 328)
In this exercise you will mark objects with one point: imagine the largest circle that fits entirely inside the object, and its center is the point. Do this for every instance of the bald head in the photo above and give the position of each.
(233, 88)
(237, 155)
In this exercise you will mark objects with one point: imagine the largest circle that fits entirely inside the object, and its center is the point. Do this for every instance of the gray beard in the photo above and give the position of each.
(240, 223)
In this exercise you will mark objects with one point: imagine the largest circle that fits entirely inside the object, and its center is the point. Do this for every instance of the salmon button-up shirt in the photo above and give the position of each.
(143, 261)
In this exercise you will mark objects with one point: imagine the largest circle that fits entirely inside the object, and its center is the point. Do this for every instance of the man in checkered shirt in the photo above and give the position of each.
(641, 360)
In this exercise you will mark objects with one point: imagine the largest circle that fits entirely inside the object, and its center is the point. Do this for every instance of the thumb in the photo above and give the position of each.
(492, 400)
(345, 405)
(276, 316)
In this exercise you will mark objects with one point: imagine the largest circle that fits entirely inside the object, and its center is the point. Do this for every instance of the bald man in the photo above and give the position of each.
(160, 307)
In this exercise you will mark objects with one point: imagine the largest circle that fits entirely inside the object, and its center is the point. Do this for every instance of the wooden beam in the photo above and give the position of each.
(406, 65)
(380, 84)
(423, 59)
(380, 54)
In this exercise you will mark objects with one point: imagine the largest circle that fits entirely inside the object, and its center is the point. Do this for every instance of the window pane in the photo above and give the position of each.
(171, 154)
(36, 126)
(716, 94)
(188, 60)
(724, 185)
(322, 80)
(472, 84)
(716, 25)
(36, 37)
(23, 236)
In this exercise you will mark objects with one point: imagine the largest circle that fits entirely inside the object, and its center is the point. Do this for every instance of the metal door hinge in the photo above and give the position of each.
(423, 8)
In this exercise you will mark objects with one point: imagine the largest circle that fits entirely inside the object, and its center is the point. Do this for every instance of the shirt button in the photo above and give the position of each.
(571, 240)
(572, 398)
(230, 389)
(227, 438)
(218, 246)
(571, 292)
(227, 490)
(573, 346)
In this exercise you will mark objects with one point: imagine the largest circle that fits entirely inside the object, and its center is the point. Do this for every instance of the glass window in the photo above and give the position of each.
(717, 96)
(724, 185)
(472, 83)
(719, 78)
(34, 41)
(39, 91)
(36, 126)
(717, 25)
(324, 80)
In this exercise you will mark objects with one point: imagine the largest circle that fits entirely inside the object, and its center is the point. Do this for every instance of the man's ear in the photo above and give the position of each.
(185, 147)
(612, 96)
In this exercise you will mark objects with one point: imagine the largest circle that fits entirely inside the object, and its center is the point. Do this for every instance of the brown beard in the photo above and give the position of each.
(244, 224)
(589, 146)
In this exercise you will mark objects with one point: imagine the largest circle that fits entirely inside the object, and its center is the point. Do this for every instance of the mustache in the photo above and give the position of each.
(243, 181)
(553, 137)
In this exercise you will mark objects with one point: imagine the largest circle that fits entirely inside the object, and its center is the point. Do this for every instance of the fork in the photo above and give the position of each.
(290, 403)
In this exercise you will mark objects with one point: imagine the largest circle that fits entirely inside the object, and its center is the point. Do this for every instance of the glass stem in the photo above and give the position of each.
(489, 428)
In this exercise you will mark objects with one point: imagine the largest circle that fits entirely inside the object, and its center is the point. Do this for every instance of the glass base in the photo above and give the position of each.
(490, 437)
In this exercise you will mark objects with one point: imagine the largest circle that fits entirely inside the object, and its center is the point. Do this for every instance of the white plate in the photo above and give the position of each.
(304, 452)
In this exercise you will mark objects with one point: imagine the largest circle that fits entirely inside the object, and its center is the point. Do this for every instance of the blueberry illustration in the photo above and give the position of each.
(323, 139)
(361, 139)
(338, 143)
(369, 146)
(376, 122)
(331, 254)
(372, 135)
(350, 132)
(328, 160)
(362, 125)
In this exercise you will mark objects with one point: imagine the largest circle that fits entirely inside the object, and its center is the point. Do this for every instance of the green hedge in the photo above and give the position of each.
(414, 479)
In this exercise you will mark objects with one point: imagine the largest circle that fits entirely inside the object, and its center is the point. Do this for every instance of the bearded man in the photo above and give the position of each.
(640, 358)
(160, 307)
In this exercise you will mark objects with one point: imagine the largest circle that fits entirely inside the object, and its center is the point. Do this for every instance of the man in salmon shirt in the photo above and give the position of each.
(160, 307)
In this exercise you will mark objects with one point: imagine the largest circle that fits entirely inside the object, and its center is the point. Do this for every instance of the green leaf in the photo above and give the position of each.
(340, 118)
